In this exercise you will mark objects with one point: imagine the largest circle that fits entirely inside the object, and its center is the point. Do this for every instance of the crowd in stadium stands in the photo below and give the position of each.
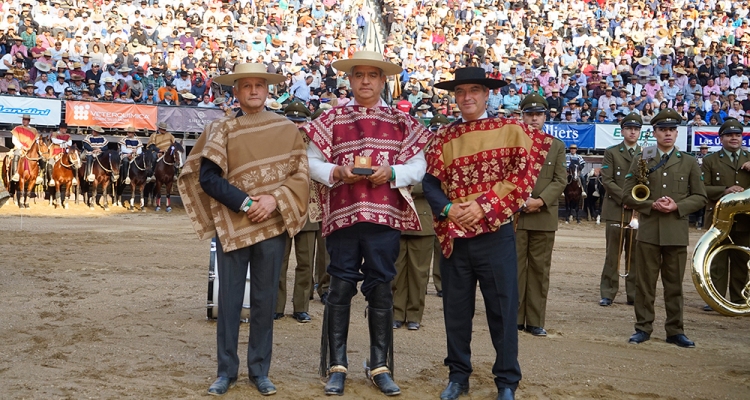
(593, 61)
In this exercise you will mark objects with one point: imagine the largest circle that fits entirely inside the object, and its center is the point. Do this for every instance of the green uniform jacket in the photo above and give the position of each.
(615, 166)
(680, 178)
(718, 174)
(424, 211)
(549, 186)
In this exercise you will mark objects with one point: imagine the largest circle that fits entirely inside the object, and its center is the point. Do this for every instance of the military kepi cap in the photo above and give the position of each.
(297, 112)
(731, 125)
(437, 121)
(666, 118)
(534, 103)
(632, 119)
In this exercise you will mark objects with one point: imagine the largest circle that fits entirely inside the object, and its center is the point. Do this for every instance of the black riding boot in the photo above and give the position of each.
(89, 167)
(380, 320)
(14, 169)
(335, 334)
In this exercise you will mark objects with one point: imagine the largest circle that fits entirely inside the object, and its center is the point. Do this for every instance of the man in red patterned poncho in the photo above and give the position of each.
(364, 214)
(479, 171)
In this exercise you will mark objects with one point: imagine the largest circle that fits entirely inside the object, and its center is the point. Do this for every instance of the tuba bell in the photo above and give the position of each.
(710, 245)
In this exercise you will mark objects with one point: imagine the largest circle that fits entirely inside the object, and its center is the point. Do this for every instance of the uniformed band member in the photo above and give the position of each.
(93, 144)
(574, 158)
(413, 267)
(130, 147)
(617, 216)
(61, 140)
(364, 214)
(473, 206)
(23, 137)
(253, 214)
(304, 244)
(677, 190)
(435, 123)
(727, 171)
(537, 223)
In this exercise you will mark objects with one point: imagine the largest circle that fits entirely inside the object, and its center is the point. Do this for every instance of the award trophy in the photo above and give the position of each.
(362, 166)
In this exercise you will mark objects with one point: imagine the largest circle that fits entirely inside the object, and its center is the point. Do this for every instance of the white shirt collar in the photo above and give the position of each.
(353, 102)
(483, 116)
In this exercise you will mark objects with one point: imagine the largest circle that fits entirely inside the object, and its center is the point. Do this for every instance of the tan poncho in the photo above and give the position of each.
(259, 153)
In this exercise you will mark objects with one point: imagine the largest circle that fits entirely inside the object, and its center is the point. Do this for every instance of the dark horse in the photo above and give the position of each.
(63, 174)
(165, 170)
(106, 170)
(594, 195)
(135, 174)
(572, 193)
(28, 171)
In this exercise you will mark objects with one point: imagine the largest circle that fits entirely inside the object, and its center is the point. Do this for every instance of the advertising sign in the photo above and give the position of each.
(110, 115)
(42, 111)
(609, 135)
(583, 135)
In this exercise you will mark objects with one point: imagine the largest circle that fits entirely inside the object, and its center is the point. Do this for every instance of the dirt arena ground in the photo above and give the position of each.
(112, 305)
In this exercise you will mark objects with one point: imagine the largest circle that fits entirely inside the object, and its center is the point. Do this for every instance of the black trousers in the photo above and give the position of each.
(264, 260)
(377, 244)
(491, 260)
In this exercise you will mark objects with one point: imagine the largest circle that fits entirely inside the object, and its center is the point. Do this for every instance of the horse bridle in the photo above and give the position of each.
(74, 163)
(109, 157)
(171, 153)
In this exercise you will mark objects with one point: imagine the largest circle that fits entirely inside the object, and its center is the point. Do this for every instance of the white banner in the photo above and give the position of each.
(42, 111)
(609, 135)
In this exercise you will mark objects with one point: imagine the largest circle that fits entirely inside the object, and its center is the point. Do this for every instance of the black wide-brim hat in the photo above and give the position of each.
(470, 75)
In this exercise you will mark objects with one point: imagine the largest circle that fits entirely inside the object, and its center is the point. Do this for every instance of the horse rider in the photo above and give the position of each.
(304, 242)
(537, 224)
(615, 166)
(93, 144)
(161, 140)
(24, 136)
(130, 148)
(62, 140)
(576, 159)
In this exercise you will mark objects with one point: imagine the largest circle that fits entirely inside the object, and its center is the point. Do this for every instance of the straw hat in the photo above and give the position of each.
(42, 67)
(645, 61)
(661, 32)
(367, 58)
(638, 37)
(249, 70)
(188, 96)
(275, 105)
(688, 42)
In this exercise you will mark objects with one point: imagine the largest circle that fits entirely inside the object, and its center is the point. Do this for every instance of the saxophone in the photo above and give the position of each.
(640, 191)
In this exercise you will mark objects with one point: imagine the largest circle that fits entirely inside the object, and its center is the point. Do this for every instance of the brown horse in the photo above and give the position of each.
(165, 171)
(106, 170)
(138, 172)
(572, 193)
(28, 171)
(63, 173)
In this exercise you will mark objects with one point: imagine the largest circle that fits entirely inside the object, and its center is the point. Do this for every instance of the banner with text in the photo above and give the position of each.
(42, 111)
(609, 135)
(583, 135)
(188, 119)
(710, 136)
(110, 115)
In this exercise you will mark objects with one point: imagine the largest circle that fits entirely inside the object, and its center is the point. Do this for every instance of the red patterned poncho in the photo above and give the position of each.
(493, 161)
(388, 137)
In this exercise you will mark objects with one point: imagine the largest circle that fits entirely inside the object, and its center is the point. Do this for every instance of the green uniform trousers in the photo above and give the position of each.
(610, 282)
(322, 259)
(412, 273)
(670, 262)
(437, 280)
(304, 249)
(730, 268)
(534, 250)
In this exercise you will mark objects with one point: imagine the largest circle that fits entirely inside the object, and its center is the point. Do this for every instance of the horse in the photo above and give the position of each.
(63, 174)
(106, 170)
(136, 176)
(594, 195)
(28, 171)
(572, 193)
(165, 170)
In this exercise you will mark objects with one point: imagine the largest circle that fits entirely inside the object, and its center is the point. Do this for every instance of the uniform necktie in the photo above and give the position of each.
(735, 158)
(631, 151)
(664, 156)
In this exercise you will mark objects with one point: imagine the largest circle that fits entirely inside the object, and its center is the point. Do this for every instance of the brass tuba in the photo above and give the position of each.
(709, 246)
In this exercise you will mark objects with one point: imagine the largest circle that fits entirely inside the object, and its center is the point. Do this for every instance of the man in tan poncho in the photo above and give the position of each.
(246, 182)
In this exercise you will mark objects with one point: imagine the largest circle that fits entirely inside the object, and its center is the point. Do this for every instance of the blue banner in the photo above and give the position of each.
(583, 135)
(709, 135)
